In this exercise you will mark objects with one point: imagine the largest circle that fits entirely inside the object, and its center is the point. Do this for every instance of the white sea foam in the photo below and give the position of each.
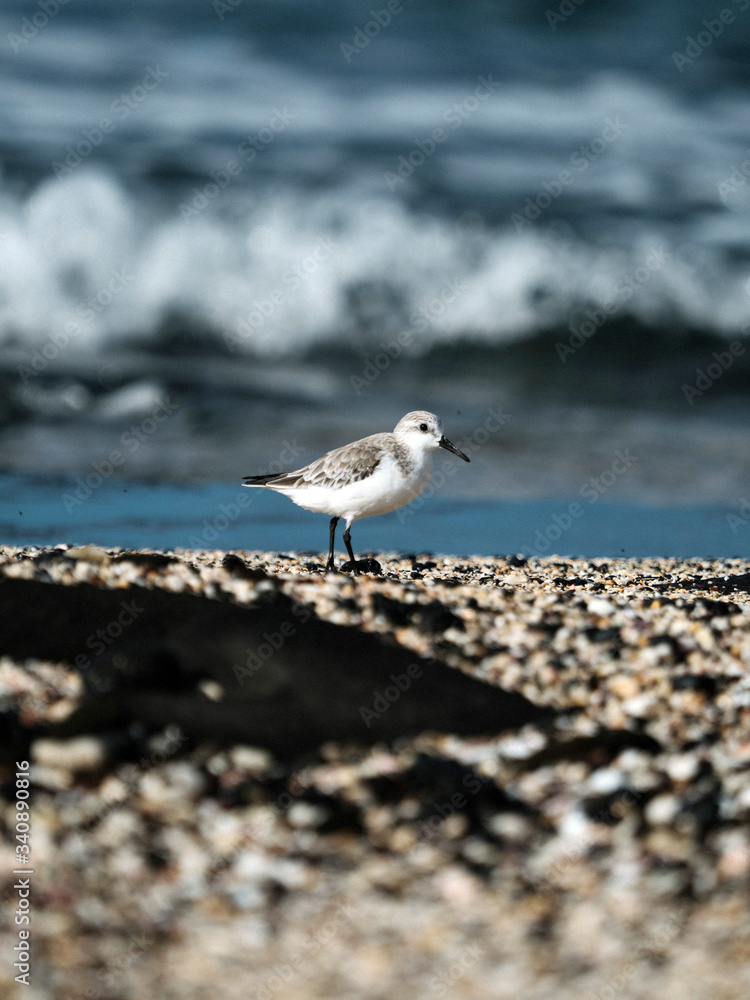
(295, 271)
(310, 242)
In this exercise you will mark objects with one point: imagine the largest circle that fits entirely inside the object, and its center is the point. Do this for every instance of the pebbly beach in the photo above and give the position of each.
(467, 776)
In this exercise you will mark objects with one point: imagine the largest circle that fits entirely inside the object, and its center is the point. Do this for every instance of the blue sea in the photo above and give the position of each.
(236, 234)
(41, 511)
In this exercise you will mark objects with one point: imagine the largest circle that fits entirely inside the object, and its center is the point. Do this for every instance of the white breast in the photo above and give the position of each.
(385, 490)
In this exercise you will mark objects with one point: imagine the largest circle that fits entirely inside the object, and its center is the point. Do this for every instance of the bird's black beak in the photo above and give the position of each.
(445, 443)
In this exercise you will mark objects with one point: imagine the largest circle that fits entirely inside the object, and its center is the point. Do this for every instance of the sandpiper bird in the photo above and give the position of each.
(375, 475)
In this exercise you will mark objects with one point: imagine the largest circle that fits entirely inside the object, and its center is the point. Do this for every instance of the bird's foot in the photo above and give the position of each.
(362, 566)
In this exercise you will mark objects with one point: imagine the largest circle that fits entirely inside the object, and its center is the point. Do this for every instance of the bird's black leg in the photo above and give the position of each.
(348, 543)
(329, 565)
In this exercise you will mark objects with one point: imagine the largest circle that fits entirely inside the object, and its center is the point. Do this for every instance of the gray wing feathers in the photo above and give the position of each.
(349, 464)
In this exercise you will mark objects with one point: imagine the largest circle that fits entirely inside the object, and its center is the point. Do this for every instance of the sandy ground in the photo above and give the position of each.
(465, 777)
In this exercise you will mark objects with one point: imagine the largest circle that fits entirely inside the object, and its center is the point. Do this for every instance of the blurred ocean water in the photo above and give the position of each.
(477, 172)
(46, 510)
(299, 220)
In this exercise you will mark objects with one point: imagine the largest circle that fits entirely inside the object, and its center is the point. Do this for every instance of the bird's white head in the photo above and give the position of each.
(423, 431)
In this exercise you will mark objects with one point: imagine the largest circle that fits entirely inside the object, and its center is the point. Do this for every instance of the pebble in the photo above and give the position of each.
(79, 756)
(662, 810)
(305, 814)
(88, 553)
(253, 760)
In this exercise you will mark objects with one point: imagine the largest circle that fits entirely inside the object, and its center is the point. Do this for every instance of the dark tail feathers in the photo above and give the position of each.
(259, 480)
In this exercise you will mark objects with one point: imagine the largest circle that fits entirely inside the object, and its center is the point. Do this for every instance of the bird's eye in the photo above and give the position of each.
(423, 427)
